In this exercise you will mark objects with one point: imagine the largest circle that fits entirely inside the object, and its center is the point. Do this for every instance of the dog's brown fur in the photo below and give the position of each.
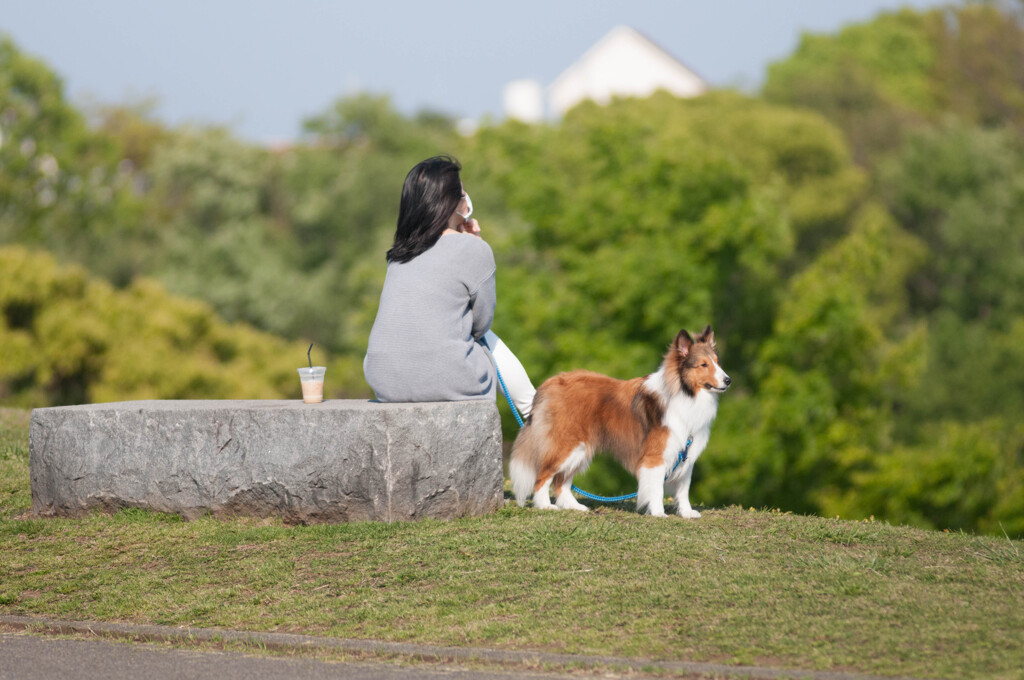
(623, 417)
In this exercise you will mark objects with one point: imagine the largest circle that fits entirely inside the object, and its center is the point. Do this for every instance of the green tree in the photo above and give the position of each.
(68, 337)
(965, 476)
(881, 79)
(60, 183)
(649, 215)
(961, 190)
(841, 353)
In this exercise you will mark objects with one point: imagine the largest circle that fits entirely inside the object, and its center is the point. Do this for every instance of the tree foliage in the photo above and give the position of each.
(881, 79)
(709, 201)
(68, 337)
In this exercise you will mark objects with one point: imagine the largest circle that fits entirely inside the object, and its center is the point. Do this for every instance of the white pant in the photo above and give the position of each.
(512, 372)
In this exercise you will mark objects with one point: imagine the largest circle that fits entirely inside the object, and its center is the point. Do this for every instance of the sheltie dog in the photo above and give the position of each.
(643, 422)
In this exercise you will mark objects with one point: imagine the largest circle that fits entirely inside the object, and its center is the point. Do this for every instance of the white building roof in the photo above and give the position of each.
(624, 63)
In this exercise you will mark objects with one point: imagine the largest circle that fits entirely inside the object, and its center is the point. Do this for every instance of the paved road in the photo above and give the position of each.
(32, 658)
(27, 657)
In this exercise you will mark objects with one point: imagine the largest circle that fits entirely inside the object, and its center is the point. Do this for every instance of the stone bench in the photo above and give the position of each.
(341, 460)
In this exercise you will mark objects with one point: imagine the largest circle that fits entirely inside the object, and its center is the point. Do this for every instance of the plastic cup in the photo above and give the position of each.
(312, 384)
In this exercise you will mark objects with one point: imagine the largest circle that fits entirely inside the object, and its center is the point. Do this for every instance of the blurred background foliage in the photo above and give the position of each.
(854, 233)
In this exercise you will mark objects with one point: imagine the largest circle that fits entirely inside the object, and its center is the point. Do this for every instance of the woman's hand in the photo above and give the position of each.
(471, 226)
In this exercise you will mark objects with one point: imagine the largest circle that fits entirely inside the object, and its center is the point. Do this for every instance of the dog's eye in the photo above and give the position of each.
(704, 365)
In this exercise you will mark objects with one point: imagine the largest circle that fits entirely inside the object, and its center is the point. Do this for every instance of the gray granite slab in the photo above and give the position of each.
(340, 460)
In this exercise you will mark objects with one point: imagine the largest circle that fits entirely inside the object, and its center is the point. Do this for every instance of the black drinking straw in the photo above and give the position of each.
(308, 357)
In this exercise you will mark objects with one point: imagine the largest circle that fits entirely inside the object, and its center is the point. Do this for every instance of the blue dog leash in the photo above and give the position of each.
(587, 494)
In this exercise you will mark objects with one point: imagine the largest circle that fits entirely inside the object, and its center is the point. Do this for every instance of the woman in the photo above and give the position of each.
(431, 340)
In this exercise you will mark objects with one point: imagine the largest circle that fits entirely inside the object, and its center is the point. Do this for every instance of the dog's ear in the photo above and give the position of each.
(682, 344)
(708, 336)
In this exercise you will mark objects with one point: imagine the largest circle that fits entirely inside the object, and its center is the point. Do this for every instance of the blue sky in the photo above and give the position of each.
(262, 67)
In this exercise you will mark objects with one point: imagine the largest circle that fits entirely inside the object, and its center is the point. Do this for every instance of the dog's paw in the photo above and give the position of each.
(688, 513)
(566, 501)
(658, 514)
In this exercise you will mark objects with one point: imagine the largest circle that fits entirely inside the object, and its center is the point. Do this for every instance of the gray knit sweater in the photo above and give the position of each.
(433, 310)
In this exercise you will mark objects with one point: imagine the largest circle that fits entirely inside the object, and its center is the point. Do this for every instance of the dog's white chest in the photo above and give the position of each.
(686, 415)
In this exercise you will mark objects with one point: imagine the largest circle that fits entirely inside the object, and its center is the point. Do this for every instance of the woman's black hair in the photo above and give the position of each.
(430, 195)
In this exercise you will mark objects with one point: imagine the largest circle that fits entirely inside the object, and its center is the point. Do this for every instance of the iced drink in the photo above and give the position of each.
(312, 384)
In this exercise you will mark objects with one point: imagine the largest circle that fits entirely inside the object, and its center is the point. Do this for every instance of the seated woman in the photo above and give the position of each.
(431, 340)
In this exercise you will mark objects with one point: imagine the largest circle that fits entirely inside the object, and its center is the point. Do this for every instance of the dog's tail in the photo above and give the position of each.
(528, 453)
(520, 467)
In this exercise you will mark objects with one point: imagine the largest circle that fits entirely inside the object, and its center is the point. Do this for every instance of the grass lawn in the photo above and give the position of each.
(737, 586)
